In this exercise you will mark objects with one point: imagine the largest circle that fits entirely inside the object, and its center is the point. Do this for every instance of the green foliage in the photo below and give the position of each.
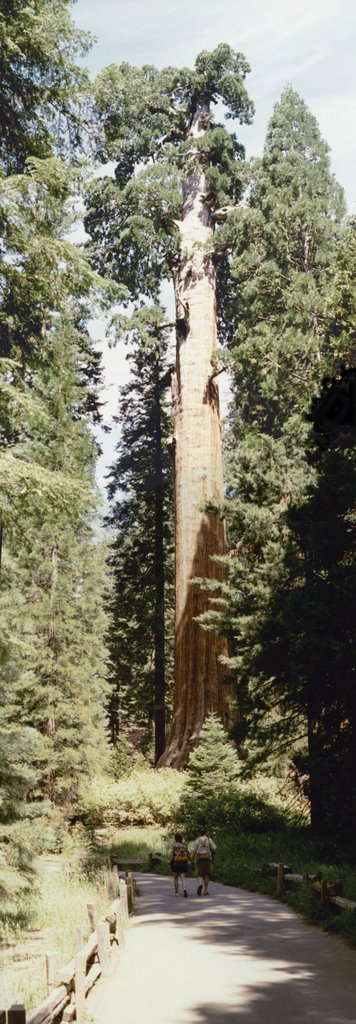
(52, 658)
(141, 517)
(289, 506)
(213, 764)
(124, 759)
(145, 798)
(227, 809)
(145, 115)
(42, 90)
(60, 898)
(58, 567)
(43, 272)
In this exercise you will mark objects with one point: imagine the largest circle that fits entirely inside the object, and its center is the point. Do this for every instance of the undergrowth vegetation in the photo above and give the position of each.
(49, 919)
(145, 797)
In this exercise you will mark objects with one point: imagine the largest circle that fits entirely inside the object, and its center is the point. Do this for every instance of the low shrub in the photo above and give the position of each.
(231, 810)
(145, 798)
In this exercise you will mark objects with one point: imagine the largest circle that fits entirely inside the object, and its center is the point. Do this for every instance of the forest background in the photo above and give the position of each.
(85, 666)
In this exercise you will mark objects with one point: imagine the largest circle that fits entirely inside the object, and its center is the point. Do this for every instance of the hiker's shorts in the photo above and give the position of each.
(204, 867)
(180, 867)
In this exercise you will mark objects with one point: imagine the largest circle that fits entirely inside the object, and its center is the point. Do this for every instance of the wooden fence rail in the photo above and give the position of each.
(68, 986)
(329, 892)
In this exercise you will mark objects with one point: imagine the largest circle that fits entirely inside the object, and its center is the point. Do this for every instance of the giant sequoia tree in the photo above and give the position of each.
(176, 169)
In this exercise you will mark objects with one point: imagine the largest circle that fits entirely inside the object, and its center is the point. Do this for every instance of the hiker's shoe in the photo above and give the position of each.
(206, 893)
(199, 890)
(185, 893)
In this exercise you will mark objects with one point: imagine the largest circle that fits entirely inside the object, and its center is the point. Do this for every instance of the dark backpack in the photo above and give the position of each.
(180, 852)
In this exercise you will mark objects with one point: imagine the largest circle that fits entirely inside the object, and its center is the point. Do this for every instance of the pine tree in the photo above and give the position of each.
(213, 764)
(140, 481)
(176, 171)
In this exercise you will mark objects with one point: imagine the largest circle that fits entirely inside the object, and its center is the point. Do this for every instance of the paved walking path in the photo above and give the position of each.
(231, 958)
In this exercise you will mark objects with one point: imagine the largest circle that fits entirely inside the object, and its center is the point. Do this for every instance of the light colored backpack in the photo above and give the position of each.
(204, 848)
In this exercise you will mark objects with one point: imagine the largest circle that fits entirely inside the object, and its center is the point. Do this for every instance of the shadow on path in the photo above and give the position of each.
(231, 957)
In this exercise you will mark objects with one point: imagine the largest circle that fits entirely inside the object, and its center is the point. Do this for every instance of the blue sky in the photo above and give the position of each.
(309, 43)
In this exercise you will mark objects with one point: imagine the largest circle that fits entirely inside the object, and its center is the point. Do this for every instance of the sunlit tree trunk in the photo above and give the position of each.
(198, 470)
(159, 670)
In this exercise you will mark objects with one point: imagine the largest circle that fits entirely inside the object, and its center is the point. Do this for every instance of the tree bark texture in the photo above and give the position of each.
(199, 686)
(159, 671)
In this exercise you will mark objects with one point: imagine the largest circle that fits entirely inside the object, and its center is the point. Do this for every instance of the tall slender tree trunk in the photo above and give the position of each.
(159, 679)
(50, 724)
(199, 686)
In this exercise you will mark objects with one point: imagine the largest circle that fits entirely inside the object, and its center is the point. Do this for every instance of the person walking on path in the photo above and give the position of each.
(180, 863)
(203, 855)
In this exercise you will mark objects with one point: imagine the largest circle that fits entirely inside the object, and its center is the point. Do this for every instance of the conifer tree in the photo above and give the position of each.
(285, 260)
(176, 172)
(213, 764)
(43, 91)
(51, 578)
(141, 517)
(64, 690)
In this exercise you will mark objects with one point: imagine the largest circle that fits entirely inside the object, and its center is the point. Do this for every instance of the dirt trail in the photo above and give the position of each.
(231, 958)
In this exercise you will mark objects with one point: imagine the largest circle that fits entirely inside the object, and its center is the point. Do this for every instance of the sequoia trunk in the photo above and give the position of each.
(199, 684)
(159, 629)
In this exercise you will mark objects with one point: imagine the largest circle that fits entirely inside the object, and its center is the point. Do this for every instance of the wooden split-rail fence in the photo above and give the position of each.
(329, 892)
(68, 986)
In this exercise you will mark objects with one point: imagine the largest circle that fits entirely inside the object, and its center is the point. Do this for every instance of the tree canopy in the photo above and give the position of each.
(43, 92)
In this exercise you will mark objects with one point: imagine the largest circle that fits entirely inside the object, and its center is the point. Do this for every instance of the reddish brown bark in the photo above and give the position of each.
(198, 472)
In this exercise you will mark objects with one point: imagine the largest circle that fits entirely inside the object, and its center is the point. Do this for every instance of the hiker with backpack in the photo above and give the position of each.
(180, 863)
(203, 855)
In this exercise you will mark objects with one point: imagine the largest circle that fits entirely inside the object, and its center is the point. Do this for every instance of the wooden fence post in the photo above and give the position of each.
(323, 891)
(16, 1014)
(92, 915)
(79, 939)
(123, 897)
(130, 894)
(280, 877)
(103, 933)
(119, 926)
(52, 967)
(80, 966)
(113, 884)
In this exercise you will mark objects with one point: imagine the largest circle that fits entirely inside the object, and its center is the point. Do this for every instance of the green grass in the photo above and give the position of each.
(58, 905)
(131, 843)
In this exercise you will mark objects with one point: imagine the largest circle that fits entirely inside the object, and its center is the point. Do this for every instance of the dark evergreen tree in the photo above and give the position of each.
(141, 517)
(286, 252)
